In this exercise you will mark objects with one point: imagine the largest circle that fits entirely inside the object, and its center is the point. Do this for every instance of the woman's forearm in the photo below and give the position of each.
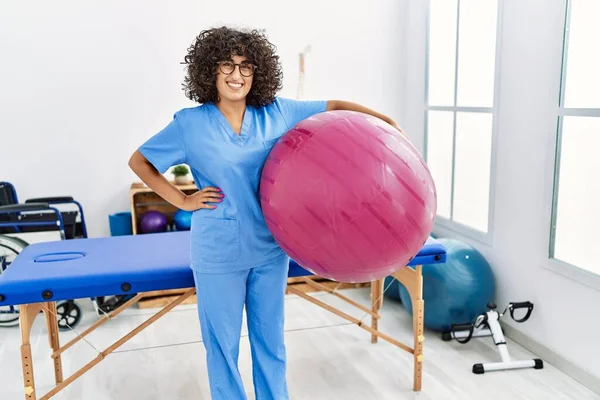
(347, 105)
(155, 180)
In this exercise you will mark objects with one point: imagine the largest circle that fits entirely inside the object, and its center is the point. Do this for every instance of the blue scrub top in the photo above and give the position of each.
(233, 236)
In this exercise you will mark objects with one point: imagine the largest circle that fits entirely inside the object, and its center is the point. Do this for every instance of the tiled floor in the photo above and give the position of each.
(328, 359)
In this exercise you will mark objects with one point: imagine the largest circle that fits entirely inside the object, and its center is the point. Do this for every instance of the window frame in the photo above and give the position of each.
(552, 263)
(449, 223)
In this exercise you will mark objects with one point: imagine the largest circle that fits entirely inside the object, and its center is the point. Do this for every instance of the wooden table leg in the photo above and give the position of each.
(376, 303)
(27, 315)
(418, 306)
(102, 355)
(412, 279)
(52, 324)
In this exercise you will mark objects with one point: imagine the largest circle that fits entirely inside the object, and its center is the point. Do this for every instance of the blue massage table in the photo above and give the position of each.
(48, 272)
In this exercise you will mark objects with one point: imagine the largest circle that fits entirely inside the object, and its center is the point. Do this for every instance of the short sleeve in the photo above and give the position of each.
(294, 111)
(166, 148)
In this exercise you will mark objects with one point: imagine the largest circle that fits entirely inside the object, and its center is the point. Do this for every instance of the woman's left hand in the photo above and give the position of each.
(395, 125)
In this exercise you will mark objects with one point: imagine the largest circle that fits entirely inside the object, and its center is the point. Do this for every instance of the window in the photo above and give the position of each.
(460, 93)
(575, 213)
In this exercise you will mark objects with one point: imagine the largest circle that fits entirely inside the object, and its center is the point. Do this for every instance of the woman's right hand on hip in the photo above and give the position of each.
(202, 198)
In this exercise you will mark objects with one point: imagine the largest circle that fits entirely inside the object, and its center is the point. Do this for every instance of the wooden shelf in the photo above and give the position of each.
(144, 199)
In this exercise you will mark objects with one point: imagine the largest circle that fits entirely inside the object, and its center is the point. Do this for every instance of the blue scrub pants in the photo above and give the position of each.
(221, 299)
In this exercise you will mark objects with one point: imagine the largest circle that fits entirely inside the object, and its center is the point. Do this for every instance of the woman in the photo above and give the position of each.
(235, 76)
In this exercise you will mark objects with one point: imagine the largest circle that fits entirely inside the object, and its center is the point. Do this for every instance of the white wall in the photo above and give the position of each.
(565, 319)
(83, 83)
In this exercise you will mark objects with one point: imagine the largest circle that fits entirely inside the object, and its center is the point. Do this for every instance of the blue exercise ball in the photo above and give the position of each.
(457, 291)
(183, 220)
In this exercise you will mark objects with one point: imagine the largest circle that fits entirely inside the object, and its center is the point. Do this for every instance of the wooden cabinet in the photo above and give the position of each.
(145, 199)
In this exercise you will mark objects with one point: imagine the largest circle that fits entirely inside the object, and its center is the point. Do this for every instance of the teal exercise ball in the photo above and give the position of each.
(457, 291)
(391, 288)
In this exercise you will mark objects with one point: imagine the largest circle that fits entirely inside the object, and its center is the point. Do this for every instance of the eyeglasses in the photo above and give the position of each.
(246, 68)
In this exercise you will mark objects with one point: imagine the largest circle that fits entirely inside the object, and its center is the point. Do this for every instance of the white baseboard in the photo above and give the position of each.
(556, 360)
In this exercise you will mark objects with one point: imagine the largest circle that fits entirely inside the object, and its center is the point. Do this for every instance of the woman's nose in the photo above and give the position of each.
(236, 72)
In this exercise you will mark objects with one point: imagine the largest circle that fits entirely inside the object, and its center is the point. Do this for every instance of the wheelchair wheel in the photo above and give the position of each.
(10, 247)
(68, 314)
(107, 304)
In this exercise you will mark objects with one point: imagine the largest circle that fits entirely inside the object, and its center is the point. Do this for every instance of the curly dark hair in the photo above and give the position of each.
(217, 44)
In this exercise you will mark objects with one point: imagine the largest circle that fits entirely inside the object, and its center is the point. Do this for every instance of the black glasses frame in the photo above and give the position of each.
(254, 68)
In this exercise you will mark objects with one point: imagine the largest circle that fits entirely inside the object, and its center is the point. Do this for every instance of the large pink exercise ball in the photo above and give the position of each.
(347, 196)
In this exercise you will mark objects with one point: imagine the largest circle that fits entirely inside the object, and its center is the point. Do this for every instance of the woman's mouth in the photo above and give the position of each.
(235, 85)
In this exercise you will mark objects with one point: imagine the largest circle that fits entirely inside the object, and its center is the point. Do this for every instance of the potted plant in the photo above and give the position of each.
(181, 174)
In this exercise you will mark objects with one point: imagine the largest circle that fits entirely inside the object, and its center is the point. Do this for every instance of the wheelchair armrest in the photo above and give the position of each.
(21, 207)
(50, 200)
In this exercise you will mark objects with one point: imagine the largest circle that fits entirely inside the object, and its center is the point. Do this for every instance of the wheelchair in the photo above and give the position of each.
(40, 220)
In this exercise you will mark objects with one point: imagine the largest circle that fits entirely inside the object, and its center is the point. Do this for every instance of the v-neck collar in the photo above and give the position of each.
(246, 123)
